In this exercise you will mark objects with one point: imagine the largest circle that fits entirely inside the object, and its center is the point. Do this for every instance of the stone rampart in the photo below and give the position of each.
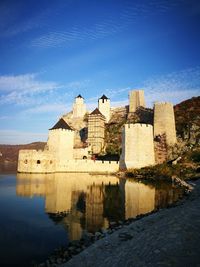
(36, 161)
(33, 161)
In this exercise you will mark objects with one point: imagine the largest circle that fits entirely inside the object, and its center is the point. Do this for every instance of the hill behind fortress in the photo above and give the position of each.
(187, 117)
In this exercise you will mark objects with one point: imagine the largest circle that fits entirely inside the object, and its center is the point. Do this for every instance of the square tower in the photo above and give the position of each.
(96, 131)
(136, 99)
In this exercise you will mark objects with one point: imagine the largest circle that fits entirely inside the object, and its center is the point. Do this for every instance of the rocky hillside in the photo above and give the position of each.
(187, 116)
(9, 153)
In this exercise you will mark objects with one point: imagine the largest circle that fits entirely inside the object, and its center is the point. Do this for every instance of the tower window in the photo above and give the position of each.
(38, 161)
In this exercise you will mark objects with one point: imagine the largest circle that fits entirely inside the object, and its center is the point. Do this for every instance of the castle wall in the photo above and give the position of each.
(88, 166)
(79, 108)
(80, 153)
(136, 99)
(28, 163)
(137, 146)
(36, 161)
(104, 108)
(164, 121)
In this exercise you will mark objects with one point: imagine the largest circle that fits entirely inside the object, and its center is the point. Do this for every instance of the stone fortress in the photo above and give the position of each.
(79, 135)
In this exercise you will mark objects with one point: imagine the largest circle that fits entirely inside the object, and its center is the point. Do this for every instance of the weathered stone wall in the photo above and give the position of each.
(164, 122)
(160, 147)
(137, 146)
(136, 99)
(104, 108)
(79, 107)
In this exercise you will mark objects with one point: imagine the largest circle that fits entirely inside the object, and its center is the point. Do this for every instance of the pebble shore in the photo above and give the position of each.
(170, 237)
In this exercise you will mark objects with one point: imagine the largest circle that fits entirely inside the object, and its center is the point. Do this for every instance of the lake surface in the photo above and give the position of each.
(42, 212)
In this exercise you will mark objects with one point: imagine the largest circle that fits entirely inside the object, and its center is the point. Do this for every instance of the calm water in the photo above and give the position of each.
(41, 212)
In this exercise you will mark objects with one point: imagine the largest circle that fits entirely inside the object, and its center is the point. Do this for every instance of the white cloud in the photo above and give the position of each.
(26, 83)
(29, 90)
(48, 108)
(20, 137)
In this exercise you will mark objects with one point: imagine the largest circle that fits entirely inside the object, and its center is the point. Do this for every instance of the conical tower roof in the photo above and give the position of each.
(61, 124)
(79, 96)
(104, 97)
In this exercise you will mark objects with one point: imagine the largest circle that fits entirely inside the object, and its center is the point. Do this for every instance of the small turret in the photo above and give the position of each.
(79, 107)
(104, 106)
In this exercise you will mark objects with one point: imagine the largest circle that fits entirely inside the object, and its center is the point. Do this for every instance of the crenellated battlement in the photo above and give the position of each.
(137, 125)
(163, 103)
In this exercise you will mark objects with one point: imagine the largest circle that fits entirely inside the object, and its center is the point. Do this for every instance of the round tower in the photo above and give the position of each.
(79, 107)
(104, 106)
(164, 121)
(61, 141)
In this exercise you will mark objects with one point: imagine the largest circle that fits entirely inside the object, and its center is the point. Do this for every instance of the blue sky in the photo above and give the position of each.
(50, 51)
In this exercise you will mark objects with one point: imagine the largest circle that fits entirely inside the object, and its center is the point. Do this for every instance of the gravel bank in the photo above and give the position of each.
(170, 237)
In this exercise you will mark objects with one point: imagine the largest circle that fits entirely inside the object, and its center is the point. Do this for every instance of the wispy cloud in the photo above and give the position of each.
(174, 87)
(22, 89)
(26, 83)
(48, 108)
(21, 137)
(109, 24)
(29, 90)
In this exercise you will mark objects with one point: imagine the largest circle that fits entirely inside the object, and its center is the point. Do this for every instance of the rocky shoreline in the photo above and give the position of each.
(66, 255)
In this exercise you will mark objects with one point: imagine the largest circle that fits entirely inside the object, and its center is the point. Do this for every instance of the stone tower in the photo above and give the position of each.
(96, 131)
(164, 122)
(79, 107)
(137, 146)
(136, 99)
(104, 106)
(61, 141)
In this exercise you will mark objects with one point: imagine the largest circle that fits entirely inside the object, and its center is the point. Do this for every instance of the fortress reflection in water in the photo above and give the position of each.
(89, 202)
